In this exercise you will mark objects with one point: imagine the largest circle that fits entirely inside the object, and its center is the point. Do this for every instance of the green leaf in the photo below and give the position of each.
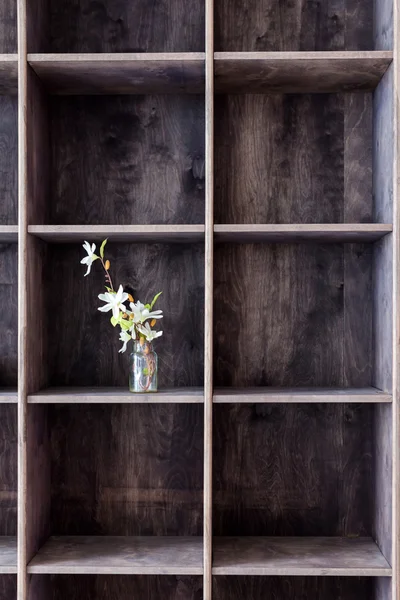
(102, 248)
(156, 297)
(124, 324)
(147, 306)
(109, 289)
(114, 322)
(145, 371)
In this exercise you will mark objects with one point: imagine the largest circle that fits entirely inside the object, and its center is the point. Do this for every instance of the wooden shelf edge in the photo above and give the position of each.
(116, 396)
(301, 396)
(119, 555)
(118, 233)
(323, 55)
(101, 57)
(8, 234)
(299, 72)
(299, 556)
(329, 232)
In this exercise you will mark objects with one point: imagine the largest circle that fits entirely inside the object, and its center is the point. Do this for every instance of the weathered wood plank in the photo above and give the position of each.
(357, 557)
(8, 159)
(122, 555)
(293, 470)
(299, 395)
(299, 72)
(285, 233)
(105, 456)
(81, 26)
(266, 25)
(116, 396)
(165, 73)
(127, 160)
(305, 176)
(126, 233)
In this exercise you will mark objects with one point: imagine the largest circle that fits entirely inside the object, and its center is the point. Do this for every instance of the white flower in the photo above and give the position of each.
(148, 333)
(114, 302)
(90, 258)
(142, 314)
(124, 337)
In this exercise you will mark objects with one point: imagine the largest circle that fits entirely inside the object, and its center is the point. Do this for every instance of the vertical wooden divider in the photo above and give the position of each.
(396, 310)
(209, 298)
(22, 300)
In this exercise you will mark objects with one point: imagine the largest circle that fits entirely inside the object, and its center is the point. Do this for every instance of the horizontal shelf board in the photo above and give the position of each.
(8, 233)
(8, 555)
(120, 556)
(142, 73)
(116, 396)
(325, 232)
(308, 556)
(8, 74)
(297, 72)
(8, 396)
(118, 233)
(265, 395)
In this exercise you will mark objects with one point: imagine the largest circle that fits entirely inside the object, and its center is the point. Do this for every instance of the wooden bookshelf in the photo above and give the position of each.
(241, 157)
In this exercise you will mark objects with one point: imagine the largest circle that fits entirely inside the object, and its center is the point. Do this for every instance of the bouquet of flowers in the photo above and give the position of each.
(135, 322)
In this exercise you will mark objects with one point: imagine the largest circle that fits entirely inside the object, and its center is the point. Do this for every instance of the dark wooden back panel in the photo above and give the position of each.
(273, 25)
(293, 158)
(293, 588)
(289, 315)
(127, 160)
(8, 587)
(126, 26)
(88, 354)
(79, 587)
(8, 472)
(292, 469)
(127, 469)
(8, 27)
(9, 315)
(8, 158)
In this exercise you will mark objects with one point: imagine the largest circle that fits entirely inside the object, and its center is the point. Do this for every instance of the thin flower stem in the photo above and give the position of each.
(108, 276)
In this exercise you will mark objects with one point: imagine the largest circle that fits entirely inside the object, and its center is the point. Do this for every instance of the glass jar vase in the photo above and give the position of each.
(143, 368)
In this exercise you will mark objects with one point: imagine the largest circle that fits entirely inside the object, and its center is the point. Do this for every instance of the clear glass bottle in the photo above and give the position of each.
(143, 368)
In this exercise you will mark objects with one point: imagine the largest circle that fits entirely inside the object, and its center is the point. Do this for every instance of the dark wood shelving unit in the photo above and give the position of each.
(243, 158)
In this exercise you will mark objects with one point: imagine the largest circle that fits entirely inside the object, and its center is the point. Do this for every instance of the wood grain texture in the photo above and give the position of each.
(120, 26)
(9, 315)
(8, 483)
(96, 555)
(8, 26)
(281, 313)
(38, 480)
(383, 479)
(120, 73)
(357, 557)
(299, 396)
(8, 395)
(8, 587)
(8, 556)
(305, 175)
(103, 587)
(8, 73)
(127, 160)
(293, 470)
(123, 233)
(299, 72)
(8, 160)
(384, 24)
(8, 233)
(266, 25)
(89, 353)
(103, 457)
(324, 232)
(116, 396)
(293, 588)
